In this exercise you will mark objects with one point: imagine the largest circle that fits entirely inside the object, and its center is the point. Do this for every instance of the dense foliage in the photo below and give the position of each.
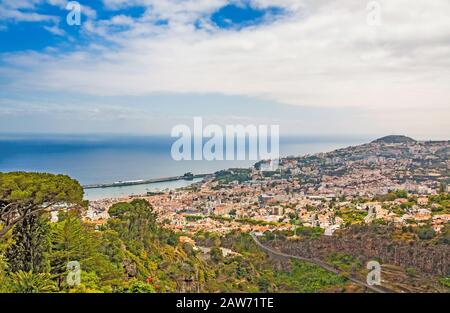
(134, 253)
(25, 194)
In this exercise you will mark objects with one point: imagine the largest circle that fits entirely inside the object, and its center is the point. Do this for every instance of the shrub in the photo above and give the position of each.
(426, 233)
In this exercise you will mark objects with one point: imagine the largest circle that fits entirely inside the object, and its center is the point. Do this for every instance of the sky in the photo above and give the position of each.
(314, 67)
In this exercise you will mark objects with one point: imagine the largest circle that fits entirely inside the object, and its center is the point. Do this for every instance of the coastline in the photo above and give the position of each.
(144, 182)
(100, 159)
(115, 192)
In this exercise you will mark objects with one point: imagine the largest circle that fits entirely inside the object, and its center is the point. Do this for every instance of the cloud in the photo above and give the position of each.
(55, 30)
(175, 10)
(322, 54)
(19, 16)
(22, 11)
(28, 11)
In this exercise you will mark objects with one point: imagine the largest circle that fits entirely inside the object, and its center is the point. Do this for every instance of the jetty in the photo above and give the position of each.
(187, 176)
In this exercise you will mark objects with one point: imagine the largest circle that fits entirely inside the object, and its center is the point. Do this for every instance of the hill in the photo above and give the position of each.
(394, 139)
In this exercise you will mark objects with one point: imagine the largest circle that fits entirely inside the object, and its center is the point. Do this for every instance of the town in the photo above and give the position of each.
(394, 180)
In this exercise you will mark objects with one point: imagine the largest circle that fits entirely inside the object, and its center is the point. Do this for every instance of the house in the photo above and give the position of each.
(423, 215)
(422, 201)
(186, 239)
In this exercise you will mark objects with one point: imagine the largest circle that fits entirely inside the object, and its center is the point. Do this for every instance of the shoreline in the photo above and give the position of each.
(144, 182)
(122, 192)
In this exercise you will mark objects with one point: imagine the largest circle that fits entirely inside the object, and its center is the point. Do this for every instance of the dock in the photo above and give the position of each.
(145, 182)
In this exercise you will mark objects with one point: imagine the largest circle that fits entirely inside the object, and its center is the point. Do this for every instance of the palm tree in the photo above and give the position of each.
(29, 282)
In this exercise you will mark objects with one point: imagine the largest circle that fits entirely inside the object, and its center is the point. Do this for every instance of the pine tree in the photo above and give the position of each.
(31, 244)
(74, 241)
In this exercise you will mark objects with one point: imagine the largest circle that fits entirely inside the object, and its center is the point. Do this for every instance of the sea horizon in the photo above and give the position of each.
(101, 159)
(227, 151)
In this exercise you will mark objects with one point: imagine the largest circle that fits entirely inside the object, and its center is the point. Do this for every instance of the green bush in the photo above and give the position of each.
(426, 233)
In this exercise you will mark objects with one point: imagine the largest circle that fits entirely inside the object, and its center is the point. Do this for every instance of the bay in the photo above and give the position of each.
(96, 159)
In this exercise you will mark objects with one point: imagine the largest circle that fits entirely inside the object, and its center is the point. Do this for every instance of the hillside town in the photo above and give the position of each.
(394, 180)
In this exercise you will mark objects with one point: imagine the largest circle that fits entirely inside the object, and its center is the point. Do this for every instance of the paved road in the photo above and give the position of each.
(319, 263)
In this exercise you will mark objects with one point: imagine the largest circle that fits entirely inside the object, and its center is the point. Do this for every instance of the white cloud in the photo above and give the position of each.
(19, 16)
(13, 10)
(25, 11)
(322, 54)
(55, 30)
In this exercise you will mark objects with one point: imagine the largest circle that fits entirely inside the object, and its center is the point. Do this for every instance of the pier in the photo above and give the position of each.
(146, 181)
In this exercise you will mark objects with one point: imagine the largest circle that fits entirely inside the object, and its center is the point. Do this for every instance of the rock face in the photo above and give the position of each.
(130, 268)
(394, 139)
(368, 244)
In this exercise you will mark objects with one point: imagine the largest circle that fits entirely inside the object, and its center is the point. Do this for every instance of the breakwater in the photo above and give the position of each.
(145, 182)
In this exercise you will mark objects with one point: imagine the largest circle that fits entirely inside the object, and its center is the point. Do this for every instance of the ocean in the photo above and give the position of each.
(94, 159)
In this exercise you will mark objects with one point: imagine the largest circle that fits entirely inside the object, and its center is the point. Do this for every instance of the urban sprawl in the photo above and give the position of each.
(394, 180)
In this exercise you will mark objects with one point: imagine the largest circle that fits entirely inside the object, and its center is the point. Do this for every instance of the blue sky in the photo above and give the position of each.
(22, 34)
(142, 66)
(240, 16)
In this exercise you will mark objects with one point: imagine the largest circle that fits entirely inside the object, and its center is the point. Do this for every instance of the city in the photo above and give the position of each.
(307, 189)
(225, 155)
(393, 181)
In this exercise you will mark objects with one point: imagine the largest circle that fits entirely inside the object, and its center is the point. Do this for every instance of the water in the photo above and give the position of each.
(119, 192)
(107, 159)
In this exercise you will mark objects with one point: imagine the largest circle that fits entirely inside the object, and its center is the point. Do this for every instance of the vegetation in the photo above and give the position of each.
(445, 236)
(345, 262)
(26, 194)
(233, 219)
(299, 231)
(130, 253)
(440, 203)
(228, 176)
(426, 233)
(393, 195)
(445, 281)
(351, 216)
(252, 271)
(27, 253)
(305, 277)
(134, 253)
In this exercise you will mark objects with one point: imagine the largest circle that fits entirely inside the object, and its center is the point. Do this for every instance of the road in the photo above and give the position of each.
(318, 263)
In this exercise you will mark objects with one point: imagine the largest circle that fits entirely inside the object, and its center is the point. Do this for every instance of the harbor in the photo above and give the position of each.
(122, 189)
(187, 177)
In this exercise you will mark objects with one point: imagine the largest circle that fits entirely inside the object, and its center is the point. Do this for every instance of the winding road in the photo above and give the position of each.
(318, 263)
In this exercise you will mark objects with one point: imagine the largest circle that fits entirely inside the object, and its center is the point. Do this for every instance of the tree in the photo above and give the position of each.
(426, 233)
(3, 267)
(24, 194)
(216, 254)
(31, 243)
(263, 284)
(445, 238)
(70, 242)
(74, 241)
(137, 219)
(136, 286)
(29, 282)
(402, 194)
